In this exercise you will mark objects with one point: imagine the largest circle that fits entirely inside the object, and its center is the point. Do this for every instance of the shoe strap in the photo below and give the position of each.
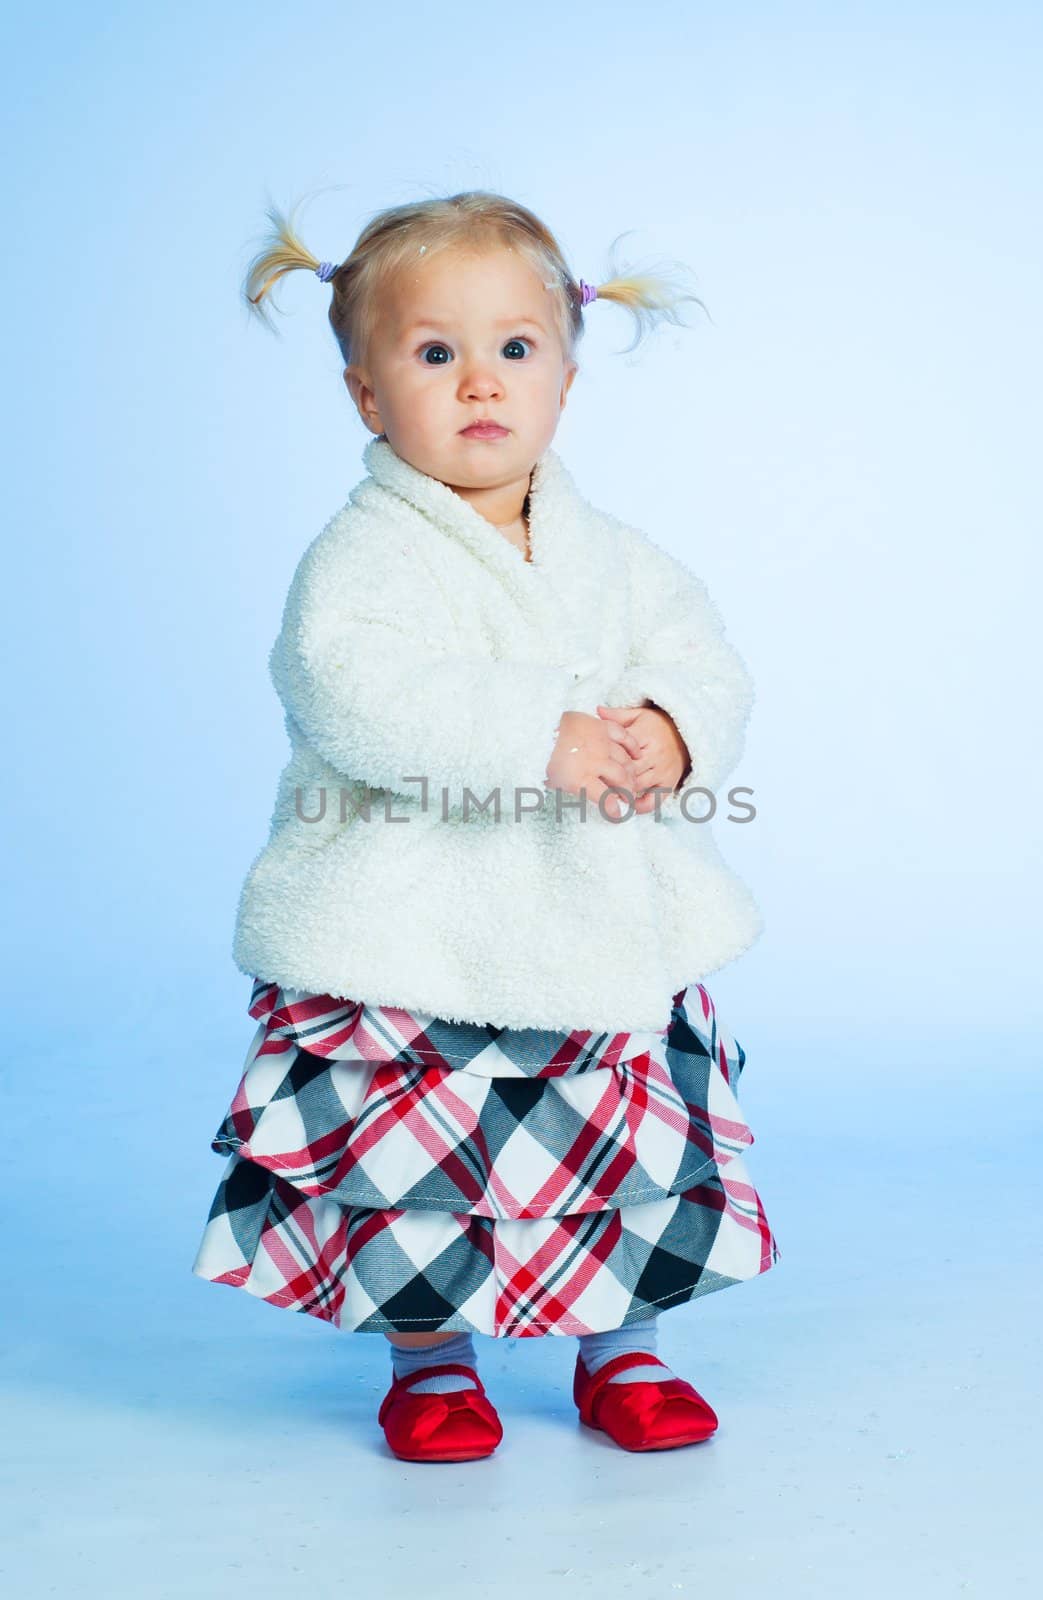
(435, 1370)
(636, 1358)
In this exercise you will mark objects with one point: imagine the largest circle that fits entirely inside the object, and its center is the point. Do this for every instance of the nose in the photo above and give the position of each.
(479, 382)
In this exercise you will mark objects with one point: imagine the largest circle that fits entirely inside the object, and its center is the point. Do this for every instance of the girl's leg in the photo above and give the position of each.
(597, 1348)
(412, 1352)
(417, 1341)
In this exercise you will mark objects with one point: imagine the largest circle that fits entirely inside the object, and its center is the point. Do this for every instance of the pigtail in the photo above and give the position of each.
(652, 296)
(282, 251)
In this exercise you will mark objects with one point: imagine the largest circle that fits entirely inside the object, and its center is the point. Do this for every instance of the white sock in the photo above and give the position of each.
(597, 1348)
(459, 1348)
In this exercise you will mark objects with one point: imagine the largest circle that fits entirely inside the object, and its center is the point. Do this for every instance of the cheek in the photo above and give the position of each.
(429, 389)
(550, 379)
(411, 396)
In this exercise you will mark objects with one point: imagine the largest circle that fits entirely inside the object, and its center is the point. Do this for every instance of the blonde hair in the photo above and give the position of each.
(472, 220)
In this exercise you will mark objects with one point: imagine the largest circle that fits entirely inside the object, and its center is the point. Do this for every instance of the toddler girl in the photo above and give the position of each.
(488, 1091)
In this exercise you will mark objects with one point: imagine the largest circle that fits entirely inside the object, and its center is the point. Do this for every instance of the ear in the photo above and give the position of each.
(566, 383)
(360, 388)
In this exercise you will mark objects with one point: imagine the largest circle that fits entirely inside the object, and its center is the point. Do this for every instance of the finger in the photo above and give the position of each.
(613, 808)
(624, 714)
(619, 773)
(622, 736)
(647, 801)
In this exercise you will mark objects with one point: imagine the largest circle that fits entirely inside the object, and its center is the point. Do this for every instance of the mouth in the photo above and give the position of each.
(484, 430)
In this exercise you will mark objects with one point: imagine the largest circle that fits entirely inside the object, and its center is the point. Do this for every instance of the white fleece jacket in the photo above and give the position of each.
(418, 643)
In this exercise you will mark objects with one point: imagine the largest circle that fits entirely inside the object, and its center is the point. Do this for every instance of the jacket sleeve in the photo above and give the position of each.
(364, 670)
(680, 660)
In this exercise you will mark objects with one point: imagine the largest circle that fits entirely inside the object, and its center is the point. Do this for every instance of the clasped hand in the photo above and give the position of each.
(634, 748)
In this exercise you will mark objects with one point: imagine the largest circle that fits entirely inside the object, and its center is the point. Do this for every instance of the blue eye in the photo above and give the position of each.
(427, 349)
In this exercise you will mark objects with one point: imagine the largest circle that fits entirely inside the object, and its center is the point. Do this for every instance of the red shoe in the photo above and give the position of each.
(641, 1415)
(459, 1426)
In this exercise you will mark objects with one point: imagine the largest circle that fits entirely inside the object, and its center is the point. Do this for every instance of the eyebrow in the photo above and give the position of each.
(504, 322)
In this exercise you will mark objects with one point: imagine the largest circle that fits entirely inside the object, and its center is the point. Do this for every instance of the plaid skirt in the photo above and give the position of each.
(393, 1171)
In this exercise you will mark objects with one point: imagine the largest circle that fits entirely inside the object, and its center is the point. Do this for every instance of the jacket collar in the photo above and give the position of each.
(553, 503)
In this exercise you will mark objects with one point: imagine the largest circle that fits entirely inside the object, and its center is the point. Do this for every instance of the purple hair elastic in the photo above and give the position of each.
(326, 269)
(588, 292)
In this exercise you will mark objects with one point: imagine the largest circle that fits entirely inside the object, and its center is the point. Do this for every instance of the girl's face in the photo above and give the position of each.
(458, 338)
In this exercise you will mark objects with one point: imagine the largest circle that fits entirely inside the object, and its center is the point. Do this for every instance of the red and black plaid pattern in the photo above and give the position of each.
(391, 1170)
